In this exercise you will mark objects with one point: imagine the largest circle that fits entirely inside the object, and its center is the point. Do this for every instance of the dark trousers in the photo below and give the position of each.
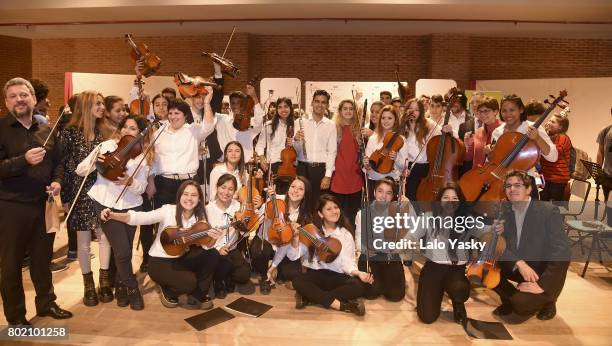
(261, 253)
(389, 279)
(350, 204)
(72, 240)
(232, 268)
(417, 173)
(146, 232)
(324, 286)
(281, 183)
(435, 279)
(535, 193)
(166, 190)
(22, 228)
(553, 192)
(314, 174)
(467, 165)
(288, 269)
(188, 274)
(121, 238)
(524, 304)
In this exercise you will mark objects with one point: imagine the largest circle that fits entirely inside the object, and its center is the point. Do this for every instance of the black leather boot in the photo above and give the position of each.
(136, 301)
(105, 292)
(90, 298)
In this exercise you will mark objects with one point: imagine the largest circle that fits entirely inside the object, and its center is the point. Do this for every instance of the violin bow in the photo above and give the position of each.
(228, 42)
(54, 126)
(89, 171)
(429, 135)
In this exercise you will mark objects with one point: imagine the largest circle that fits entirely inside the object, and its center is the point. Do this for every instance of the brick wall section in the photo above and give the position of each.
(342, 58)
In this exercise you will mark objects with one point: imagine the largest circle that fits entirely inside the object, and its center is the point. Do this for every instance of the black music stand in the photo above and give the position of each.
(598, 174)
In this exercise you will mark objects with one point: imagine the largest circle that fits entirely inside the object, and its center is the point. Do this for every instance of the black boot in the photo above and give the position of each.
(548, 312)
(90, 298)
(121, 293)
(300, 301)
(135, 297)
(354, 306)
(220, 291)
(459, 313)
(264, 286)
(105, 292)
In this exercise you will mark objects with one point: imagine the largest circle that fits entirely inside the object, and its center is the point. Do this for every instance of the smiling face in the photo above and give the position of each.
(383, 193)
(225, 192)
(296, 191)
(387, 121)
(130, 128)
(552, 126)
(176, 118)
(198, 102)
(413, 110)
(435, 109)
(19, 101)
(190, 198)
(117, 112)
(516, 190)
(511, 112)
(283, 110)
(160, 108)
(449, 201)
(330, 212)
(347, 111)
(487, 115)
(97, 110)
(320, 104)
(233, 154)
(375, 113)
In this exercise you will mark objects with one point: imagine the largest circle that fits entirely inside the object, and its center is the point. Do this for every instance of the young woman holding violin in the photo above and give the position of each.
(234, 164)
(189, 273)
(419, 130)
(108, 194)
(82, 135)
(387, 269)
(232, 268)
(513, 113)
(299, 210)
(276, 138)
(347, 179)
(444, 270)
(337, 283)
(477, 144)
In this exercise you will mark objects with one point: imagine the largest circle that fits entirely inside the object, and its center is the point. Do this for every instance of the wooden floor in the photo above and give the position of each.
(583, 318)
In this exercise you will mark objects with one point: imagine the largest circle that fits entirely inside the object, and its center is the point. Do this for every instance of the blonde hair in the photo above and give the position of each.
(82, 117)
(355, 121)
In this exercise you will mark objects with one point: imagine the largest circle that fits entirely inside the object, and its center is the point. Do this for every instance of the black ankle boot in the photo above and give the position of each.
(135, 297)
(121, 293)
(354, 306)
(548, 312)
(90, 298)
(300, 301)
(105, 292)
(459, 313)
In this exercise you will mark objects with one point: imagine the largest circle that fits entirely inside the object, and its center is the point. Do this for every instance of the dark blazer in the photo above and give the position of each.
(467, 126)
(543, 245)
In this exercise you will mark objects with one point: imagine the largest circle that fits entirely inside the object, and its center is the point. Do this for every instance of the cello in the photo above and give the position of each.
(513, 150)
(446, 153)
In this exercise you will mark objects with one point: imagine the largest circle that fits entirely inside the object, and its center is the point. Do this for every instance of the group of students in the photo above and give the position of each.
(196, 165)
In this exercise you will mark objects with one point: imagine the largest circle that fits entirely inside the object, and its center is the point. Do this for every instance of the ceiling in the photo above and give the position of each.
(106, 18)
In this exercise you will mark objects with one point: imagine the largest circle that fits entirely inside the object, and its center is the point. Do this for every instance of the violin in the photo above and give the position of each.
(129, 147)
(380, 160)
(279, 232)
(192, 86)
(258, 183)
(227, 67)
(445, 154)
(176, 241)
(398, 207)
(513, 150)
(140, 52)
(326, 248)
(484, 271)
(139, 106)
(247, 212)
(242, 120)
(288, 157)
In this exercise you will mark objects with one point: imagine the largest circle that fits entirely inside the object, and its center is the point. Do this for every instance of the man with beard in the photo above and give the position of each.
(27, 172)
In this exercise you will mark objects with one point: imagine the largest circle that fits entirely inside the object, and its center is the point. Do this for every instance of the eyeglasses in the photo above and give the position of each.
(485, 111)
(517, 185)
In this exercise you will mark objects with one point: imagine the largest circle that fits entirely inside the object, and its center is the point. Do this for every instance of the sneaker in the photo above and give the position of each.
(57, 267)
(246, 288)
(354, 306)
(167, 299)
(194, 303)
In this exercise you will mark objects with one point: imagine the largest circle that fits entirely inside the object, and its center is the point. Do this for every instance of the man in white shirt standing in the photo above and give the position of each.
(316, 145)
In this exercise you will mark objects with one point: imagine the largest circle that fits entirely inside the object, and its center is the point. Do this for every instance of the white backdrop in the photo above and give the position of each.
(343, 90)
(118, 84)
(590, 100)
(281, 87)
(433, 86)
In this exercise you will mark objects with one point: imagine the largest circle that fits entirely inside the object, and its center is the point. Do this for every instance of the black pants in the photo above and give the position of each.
(121, 238)
(436, 279)
(314, 174)
(166, 190)
(467, 165)
(288, 269)
(232, 268)
(261, 253)
(553, 192)
(350, 205)
(22, 228)
(389, 279)
(417, 173)
(188, 274)
(146, 231)
(524, 304)
(324, 286)
(281, 183)
(535, 193)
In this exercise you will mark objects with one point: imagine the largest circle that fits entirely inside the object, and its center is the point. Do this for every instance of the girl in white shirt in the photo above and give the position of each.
(233, 163)
(337, 284)
(189, 273)
(104, 193)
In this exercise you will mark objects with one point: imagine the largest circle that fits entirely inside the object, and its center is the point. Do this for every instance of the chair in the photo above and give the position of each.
(599, 233)
(581, 189)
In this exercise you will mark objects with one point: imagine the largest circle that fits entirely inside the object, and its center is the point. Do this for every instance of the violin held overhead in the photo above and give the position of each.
(242, 120)
(192, 86)
(140, 52)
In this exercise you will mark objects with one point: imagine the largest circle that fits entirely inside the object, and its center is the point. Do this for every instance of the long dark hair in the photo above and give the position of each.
(199, 211)
(276, 118)
(463, 208)
(241, 163)
(224, 179)
(517, 101)
(305, 208)
(342, 221)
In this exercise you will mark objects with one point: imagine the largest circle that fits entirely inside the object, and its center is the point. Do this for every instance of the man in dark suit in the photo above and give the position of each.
(537, 253)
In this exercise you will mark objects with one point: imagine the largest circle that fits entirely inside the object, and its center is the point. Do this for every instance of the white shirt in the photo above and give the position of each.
(217, 172)
(373, 145)
(227, 133)
(274, 144)
(105, 191)
(552, 156)
(455, 121)
(165, 216)
(344, 263)
(176, 151)
(413, 150)
(219, 217)
(321, 143)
